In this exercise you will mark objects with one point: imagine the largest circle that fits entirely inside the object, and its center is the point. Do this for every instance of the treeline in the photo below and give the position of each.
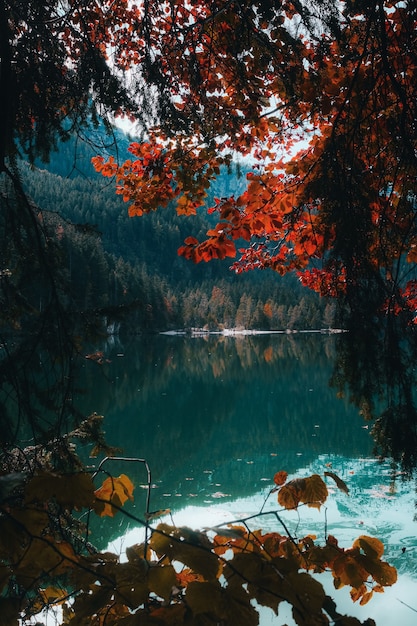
(118, 265)
(246, 304)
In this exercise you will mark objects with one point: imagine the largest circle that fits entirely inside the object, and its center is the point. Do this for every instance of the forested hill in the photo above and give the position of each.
(114, 260)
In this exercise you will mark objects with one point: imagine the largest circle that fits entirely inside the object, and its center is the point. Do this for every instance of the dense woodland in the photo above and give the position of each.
(130, 269)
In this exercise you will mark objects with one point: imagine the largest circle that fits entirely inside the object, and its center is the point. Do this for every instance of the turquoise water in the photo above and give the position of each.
(216, 417)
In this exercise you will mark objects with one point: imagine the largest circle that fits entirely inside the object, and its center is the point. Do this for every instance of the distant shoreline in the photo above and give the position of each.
(232, 332)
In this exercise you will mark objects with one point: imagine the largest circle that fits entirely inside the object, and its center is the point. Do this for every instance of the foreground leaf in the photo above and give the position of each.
(311, 491)
(114, 491)
(339, 482)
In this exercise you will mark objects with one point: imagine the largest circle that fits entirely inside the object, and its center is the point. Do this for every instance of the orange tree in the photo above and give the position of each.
(320, 99)
(252, 79)
(211, 81)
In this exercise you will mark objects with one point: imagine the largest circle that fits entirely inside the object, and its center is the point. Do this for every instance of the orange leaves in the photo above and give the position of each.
(311, 491)
(76, 491)
(358, 565)
(215, 577)
(373, 548)
(211, 77)
(280, 478)
(350, 194)
(327, 282)
(217, 246)
(189, 547)
(163, 172)
(108, 168)
(112, 495)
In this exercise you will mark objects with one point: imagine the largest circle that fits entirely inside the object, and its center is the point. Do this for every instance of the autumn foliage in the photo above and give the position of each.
(254, 80)
(177, 575)
(212, 84)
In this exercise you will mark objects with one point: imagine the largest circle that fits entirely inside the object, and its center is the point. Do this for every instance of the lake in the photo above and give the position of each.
(215, 417)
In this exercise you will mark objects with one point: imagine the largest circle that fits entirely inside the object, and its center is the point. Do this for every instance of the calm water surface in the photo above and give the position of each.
(215, 417)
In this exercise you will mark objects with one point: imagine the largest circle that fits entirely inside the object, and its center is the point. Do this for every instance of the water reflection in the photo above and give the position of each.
(376, 366)
(216, 417)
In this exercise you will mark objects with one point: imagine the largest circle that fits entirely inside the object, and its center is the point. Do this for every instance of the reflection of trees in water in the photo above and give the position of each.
(163, 400)
(152, 361)
(376, 365)
(258, 414)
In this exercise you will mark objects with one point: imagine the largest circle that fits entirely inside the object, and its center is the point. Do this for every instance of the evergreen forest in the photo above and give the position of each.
(128, 270)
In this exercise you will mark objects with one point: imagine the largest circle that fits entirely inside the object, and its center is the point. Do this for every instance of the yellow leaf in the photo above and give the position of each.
(53, 595)
(372, 547)
(312, 491)
(114, 491)
(156, 514)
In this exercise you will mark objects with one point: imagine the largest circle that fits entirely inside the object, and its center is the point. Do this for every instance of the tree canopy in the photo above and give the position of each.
(253, 80)
(210, 82)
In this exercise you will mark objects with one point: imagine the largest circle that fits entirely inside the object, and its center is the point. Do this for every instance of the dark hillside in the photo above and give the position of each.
(115, 260)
